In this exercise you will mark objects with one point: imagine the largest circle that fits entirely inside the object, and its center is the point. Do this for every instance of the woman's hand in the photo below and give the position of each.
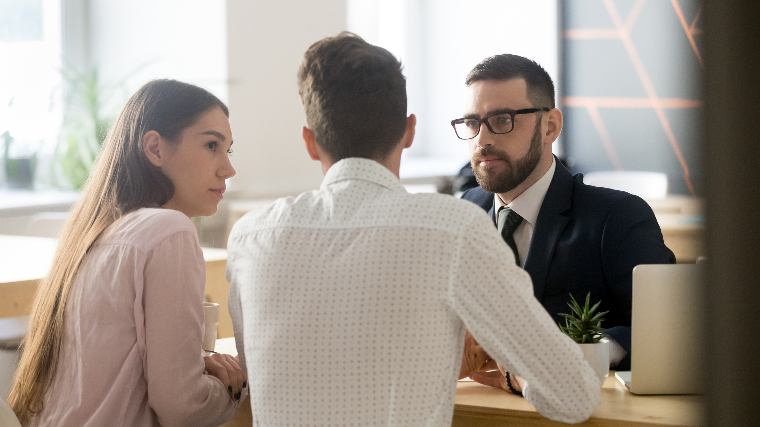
(227, 369)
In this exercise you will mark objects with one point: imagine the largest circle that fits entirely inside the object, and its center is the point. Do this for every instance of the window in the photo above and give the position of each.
(68, 66)
(438, 42)
(30, 76)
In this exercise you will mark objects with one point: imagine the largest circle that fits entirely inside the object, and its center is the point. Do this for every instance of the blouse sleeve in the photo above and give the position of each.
(178, 390)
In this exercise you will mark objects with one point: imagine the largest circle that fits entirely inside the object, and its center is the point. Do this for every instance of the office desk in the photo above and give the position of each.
(684, 235)
(681, 219)
(477, 405)
(25, 260)
(480, 406)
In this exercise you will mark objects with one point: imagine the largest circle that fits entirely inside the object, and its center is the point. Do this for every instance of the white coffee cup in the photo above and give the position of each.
(210, 324)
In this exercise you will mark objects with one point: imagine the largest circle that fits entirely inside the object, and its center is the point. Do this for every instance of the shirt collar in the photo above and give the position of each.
(356, 168)
(528, 204)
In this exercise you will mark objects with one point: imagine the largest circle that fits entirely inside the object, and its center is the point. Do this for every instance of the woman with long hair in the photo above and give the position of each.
(115, 331)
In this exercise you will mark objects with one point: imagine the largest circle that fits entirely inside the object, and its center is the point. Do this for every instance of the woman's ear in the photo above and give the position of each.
(153, 148)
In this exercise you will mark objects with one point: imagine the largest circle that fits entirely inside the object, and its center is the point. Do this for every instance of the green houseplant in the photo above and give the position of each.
(584, 326)
(85, 126)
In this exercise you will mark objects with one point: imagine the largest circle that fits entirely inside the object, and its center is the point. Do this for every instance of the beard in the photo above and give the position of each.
(516, 171)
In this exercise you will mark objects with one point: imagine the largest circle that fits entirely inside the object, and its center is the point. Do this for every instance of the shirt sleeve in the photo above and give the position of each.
(235, 306)
(494, 298)
(178, 390)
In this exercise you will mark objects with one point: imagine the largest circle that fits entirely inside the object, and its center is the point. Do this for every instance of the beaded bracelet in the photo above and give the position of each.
(511, 388)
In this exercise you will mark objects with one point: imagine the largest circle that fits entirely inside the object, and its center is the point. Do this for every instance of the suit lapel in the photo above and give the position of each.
(552, 220)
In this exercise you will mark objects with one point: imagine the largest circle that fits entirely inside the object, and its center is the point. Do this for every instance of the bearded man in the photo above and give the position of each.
(571, 238)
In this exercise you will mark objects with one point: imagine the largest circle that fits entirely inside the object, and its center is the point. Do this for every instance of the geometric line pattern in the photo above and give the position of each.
(621, 30)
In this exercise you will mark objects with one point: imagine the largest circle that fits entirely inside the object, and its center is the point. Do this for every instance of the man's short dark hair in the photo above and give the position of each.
(354, 95)
(507, 67)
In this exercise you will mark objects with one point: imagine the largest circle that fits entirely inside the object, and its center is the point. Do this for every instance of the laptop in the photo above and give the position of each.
(666, 330)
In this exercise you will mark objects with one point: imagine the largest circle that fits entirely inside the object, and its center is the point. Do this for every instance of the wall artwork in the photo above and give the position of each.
(632, 72)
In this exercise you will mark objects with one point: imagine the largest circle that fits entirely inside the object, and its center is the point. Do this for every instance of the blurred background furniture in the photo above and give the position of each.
(12, 330)
(647, 185)
(7, 417)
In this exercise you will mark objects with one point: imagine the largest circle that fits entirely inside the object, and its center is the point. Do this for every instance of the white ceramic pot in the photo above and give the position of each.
(598, 356)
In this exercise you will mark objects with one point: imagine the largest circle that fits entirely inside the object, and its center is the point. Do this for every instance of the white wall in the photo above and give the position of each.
(245, 52)
(438, 42)
(248, 52)
(135, 41)
(267, 40)
(526, 28)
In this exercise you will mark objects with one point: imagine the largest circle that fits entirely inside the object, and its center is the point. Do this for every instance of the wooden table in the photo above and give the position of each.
(480, 406)
(684, 235)
(25, 260)
(477, 405)
(681, 219)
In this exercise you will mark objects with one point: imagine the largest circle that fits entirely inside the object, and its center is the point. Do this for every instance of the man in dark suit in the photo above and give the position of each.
(572, 238)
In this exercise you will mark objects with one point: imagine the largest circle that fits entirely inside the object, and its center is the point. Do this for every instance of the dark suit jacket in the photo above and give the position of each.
(589, 239)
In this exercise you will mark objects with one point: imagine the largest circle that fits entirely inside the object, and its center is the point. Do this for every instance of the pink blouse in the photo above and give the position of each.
(131, 349)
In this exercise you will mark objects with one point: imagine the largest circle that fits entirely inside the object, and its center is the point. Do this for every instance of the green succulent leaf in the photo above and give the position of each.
(583, 324)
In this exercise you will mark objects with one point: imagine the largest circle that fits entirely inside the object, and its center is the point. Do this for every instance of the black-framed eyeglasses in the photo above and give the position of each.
(498, 122)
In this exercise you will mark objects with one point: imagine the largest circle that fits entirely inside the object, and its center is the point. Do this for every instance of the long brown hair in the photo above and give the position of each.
(122, 181)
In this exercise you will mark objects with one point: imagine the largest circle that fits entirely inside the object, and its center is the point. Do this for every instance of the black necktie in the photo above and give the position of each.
(507, 222)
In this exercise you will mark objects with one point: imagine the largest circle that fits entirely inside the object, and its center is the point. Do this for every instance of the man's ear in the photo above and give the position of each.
(310, 141)
(553, 125)
(411, 124)
(154, 150)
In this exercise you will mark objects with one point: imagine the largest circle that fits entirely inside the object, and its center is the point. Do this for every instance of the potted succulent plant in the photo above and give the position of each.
(584, 326)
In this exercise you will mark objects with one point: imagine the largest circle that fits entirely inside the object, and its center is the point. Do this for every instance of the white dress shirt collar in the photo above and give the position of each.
(363, 169)
(528, 204)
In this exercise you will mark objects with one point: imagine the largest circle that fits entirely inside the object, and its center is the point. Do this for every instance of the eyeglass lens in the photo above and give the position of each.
(499, 123)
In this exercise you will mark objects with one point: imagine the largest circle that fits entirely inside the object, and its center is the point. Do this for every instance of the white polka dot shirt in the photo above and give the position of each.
(350, 303)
